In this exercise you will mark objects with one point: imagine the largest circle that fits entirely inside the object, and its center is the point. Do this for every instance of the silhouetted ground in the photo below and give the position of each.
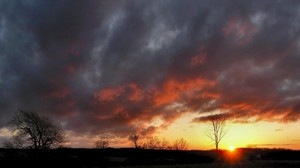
(140, 158)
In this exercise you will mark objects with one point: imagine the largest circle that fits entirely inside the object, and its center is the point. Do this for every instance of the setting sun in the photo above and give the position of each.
(108, 75)
(231, 148)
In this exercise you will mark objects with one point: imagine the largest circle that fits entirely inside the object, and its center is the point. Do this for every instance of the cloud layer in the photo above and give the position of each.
(116, 66)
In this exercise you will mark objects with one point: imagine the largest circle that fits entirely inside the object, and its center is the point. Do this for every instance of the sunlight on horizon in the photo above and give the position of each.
(252, 135)
(231, 148)
(157, 71)
(260, 134)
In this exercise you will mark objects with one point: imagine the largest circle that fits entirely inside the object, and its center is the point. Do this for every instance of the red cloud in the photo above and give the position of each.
(129, 104)
(132, 92)
(198, 59)
(241, 30)
(109, 94)
(136, 93)
(59, 93)
(172, 90)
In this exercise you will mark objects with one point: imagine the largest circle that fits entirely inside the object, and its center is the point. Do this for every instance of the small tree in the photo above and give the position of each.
(102, 143)
(165, 145)
(134, 138)
(156, 143)
(34, 131)
(218, 129)
(180, 144)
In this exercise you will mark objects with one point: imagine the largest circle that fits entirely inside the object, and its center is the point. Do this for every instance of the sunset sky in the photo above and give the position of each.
(102, 68)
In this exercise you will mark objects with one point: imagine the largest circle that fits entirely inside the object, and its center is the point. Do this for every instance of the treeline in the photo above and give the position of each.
(34, 131)
(147, 143)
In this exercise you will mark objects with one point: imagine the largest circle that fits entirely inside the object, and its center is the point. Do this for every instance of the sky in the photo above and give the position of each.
(157, 68)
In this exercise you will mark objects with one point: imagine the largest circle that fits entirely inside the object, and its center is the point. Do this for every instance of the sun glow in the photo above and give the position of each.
(231, 148)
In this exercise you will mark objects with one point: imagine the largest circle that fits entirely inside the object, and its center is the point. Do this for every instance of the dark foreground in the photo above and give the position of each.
(140, 158)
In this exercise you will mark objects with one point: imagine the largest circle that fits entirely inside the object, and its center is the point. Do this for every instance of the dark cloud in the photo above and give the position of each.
(117, 66)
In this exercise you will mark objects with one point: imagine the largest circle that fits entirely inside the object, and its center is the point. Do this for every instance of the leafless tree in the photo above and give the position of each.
(134, 138)
(165, 145)
(34, 131)
(180, 144)
(151, 143)
(156, 143)
(15, 142)
(102, 143)
(218, 129)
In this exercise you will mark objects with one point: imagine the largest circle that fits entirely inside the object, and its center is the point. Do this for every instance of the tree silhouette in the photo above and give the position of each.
(134, 138)
(218, 125)
(102, 143)
(34, 131)
(156, 143)
(15, 142)
(180, 144)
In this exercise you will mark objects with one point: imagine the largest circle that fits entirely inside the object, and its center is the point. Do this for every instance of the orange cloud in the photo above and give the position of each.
(238, 106)
(131, 91)
(173, 89)
(109, 94)
(136, 93)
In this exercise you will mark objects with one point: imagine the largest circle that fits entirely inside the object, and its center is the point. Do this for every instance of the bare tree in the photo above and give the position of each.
(218, 129)
(102, 143)
(180, 144)
(156, 143)
(15, 142)
(165, 145)
(34, 131)
(134, 138)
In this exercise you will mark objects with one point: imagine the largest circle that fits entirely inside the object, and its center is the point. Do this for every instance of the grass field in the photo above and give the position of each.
(141, 158)
(256, 164)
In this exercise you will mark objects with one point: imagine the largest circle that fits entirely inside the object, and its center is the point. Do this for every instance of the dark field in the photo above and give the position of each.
(139, 158)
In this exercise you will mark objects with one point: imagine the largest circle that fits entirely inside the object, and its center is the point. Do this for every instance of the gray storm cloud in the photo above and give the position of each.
(115, 66)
